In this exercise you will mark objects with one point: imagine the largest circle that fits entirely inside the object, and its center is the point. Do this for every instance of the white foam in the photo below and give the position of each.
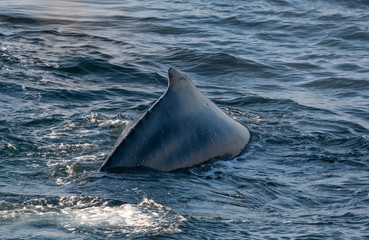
(85, 158)
(148, 217)
(114, 123)
(11, 146)
(92, 214)
(92, 117)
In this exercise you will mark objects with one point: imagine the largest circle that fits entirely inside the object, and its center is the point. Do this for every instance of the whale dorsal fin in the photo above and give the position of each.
(181, 129)
(178, 79)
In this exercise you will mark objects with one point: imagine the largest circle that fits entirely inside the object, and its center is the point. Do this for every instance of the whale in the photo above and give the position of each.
(183, 128)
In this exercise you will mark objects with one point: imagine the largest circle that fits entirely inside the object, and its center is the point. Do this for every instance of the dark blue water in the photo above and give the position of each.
(74, 73)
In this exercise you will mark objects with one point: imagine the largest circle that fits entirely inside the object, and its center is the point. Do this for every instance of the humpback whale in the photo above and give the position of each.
(181, 129)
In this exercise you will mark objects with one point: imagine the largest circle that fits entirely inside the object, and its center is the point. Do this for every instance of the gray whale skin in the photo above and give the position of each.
(181, 129)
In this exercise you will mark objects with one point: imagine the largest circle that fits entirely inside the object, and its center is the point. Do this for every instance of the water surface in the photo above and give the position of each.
(73, 74)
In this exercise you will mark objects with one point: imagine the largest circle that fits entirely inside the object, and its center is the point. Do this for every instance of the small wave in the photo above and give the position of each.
(17, 19)
(303, 66)
(210, 63)
(85, 65)
(136, 18)
(338, 83)
(349, 3)
(352, 32)
(168, 30)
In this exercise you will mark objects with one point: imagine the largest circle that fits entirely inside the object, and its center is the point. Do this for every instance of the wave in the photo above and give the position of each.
(360, 4)
(213, 63)
(338, 83)
(18, 19)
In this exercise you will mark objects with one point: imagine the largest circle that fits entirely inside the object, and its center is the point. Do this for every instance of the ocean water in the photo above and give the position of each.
(74, 73)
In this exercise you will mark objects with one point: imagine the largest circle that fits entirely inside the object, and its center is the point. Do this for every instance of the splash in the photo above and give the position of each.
(78, 214)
